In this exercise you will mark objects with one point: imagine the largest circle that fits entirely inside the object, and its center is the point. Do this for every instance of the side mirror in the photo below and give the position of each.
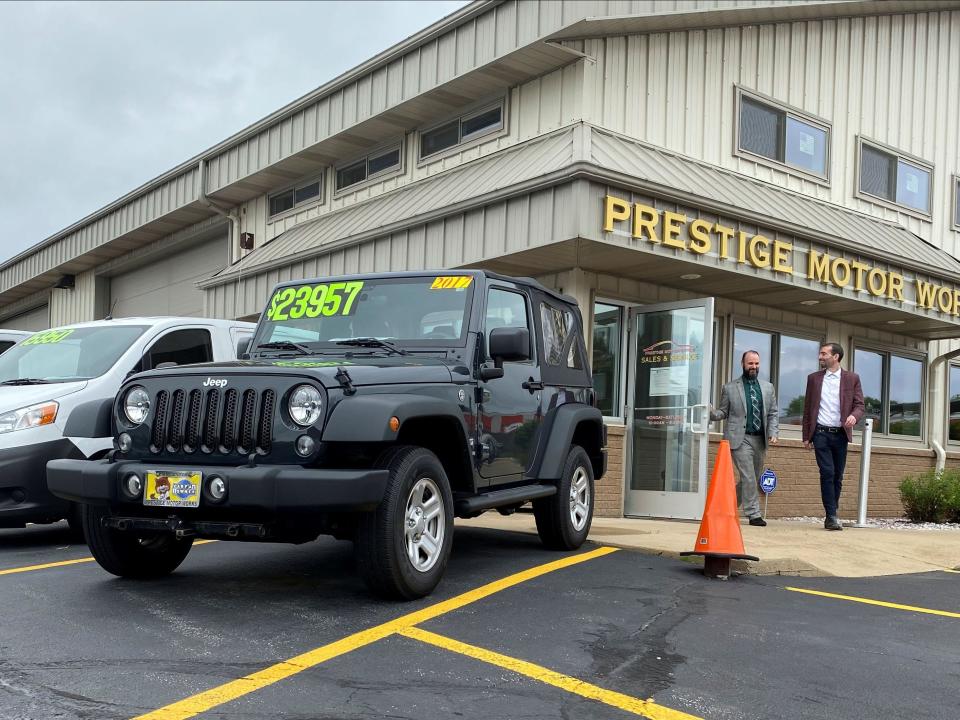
(243, 348)
(509, 344)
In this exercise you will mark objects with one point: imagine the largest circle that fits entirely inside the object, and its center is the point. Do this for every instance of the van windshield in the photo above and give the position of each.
(66, 354)
(429, 311)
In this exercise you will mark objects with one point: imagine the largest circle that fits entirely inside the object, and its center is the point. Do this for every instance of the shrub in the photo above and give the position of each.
(931, 496)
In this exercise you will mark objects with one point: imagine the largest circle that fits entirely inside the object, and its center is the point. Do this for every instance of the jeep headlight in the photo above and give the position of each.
(28, 417)
(136, 404)
(305, 405)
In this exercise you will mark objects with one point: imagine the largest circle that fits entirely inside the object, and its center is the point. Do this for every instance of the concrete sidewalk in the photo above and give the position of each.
(784, 547)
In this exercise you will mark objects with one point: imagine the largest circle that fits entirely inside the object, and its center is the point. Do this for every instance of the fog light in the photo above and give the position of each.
(133, 485)
(216, 488)
(305, 445)
(124, 442)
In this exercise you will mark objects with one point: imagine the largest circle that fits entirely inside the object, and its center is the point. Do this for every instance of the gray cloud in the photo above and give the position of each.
(98, 98)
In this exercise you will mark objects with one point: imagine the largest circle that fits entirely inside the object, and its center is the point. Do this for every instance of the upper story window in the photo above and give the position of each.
(783, 135)
(376, 164)
(308, 193)
(463, 129)
(894, 177)
(956, 202)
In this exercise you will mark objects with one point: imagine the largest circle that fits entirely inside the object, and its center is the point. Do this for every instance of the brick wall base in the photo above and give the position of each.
(798, 479)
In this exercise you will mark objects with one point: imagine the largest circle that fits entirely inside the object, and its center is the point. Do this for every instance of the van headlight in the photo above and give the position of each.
(136, 404)
(29, 417)
(305, 405)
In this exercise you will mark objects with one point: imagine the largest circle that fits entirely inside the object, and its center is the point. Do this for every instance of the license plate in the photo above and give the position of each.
(172, 488)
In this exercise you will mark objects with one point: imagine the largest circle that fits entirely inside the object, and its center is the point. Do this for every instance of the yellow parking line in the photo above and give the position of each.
(61, 563)
(868, 601)
(201, 702)
(644, 708)
(951, 571)
(44, 566)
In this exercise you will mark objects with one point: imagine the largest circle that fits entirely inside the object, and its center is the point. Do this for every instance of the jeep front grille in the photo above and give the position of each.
(214, 421)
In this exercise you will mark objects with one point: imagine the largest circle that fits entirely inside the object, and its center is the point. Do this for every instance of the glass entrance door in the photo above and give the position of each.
(668, 409)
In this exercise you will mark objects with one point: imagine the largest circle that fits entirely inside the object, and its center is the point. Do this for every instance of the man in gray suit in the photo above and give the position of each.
(749, 405)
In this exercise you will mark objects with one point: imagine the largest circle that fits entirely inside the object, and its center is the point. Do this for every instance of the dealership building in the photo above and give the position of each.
(703, 177)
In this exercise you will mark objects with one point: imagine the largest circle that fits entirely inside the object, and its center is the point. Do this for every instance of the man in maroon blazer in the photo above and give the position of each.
(832, 406)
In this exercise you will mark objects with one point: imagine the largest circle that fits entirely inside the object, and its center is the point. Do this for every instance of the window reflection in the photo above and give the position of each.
(954, 402)
(745, 339)
(869, 366)
(797, 359)
(906, 387)
(607, 328)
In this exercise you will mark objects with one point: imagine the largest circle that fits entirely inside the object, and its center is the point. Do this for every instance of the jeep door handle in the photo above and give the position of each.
(531, 385)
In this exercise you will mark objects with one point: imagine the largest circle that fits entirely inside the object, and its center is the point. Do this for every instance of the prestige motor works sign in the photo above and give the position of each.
(702, 237)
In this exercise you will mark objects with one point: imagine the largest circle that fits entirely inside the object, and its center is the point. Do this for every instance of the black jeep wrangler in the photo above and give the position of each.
(371, 408)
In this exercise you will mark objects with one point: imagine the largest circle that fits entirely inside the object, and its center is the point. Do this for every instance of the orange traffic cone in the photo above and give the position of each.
(719, 540)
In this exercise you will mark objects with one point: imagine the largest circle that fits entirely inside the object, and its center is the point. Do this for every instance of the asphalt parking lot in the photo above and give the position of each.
(513, 631)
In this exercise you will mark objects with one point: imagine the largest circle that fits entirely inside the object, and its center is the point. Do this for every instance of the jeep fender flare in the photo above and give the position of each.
(366, 418)
(560, 428)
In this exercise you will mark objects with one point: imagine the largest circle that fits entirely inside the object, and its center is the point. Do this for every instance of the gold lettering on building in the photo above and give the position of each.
(702, 237)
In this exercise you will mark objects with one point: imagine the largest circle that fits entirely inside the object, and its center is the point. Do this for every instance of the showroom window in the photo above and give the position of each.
(308, 193)
(889, 175)
(786, 358)
(783, 135)
(953, 409)
(371, 167)
(461, 130)
(608, 327)
(892, 391)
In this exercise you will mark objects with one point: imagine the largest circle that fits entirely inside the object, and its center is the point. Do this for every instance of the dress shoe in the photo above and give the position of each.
(832, 523)
(758, 521)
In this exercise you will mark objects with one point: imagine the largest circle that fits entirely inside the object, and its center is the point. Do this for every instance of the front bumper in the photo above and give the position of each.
(23, 485)
(270, 489)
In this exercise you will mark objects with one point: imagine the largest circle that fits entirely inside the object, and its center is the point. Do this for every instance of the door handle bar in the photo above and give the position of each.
(704, 418)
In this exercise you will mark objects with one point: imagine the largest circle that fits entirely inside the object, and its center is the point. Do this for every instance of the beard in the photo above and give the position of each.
(750, 374)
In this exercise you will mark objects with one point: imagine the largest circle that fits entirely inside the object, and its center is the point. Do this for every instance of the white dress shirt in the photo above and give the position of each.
(829, 414)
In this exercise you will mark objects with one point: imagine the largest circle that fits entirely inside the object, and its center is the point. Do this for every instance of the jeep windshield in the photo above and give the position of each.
(352, 315)
(67, 354)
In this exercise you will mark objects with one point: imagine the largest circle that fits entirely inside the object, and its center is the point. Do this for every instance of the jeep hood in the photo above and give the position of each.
(367, 370)
(14, 397)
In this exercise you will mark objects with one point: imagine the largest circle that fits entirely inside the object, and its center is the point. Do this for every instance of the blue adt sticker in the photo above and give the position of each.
(768, 481)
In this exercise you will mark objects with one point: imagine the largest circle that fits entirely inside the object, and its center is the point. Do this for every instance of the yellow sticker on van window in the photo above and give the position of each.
(452, 282)
(48, 338)
(310, 301)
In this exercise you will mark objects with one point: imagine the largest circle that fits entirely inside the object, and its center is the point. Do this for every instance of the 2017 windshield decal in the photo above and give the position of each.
(451, 282)
(48, 338)
(310, 363)
(295, 302)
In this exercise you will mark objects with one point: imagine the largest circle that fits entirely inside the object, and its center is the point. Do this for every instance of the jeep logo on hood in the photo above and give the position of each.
(215, 382)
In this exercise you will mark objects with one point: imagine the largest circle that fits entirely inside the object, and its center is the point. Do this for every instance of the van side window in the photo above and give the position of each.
(505, 309)
(5, 345)
(182, 347)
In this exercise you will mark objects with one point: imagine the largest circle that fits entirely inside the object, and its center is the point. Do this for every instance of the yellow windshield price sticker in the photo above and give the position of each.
(452, 282)
(310, 301)
(48, 338)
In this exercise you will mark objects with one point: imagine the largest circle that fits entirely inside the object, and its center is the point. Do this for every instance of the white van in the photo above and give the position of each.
(57, 389)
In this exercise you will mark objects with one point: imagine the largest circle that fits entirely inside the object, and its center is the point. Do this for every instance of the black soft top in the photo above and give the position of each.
(425, 273)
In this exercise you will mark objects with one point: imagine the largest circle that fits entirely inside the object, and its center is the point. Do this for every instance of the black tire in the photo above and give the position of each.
(130, 554)
(560, 525)
(383, 535)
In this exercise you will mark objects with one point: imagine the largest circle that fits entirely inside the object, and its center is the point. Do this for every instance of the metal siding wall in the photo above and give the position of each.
(539, 218)
(77, 305)
(892, 78)
(173, 194)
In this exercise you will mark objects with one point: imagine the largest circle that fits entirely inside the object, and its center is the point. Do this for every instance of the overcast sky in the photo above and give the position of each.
(98, 98)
